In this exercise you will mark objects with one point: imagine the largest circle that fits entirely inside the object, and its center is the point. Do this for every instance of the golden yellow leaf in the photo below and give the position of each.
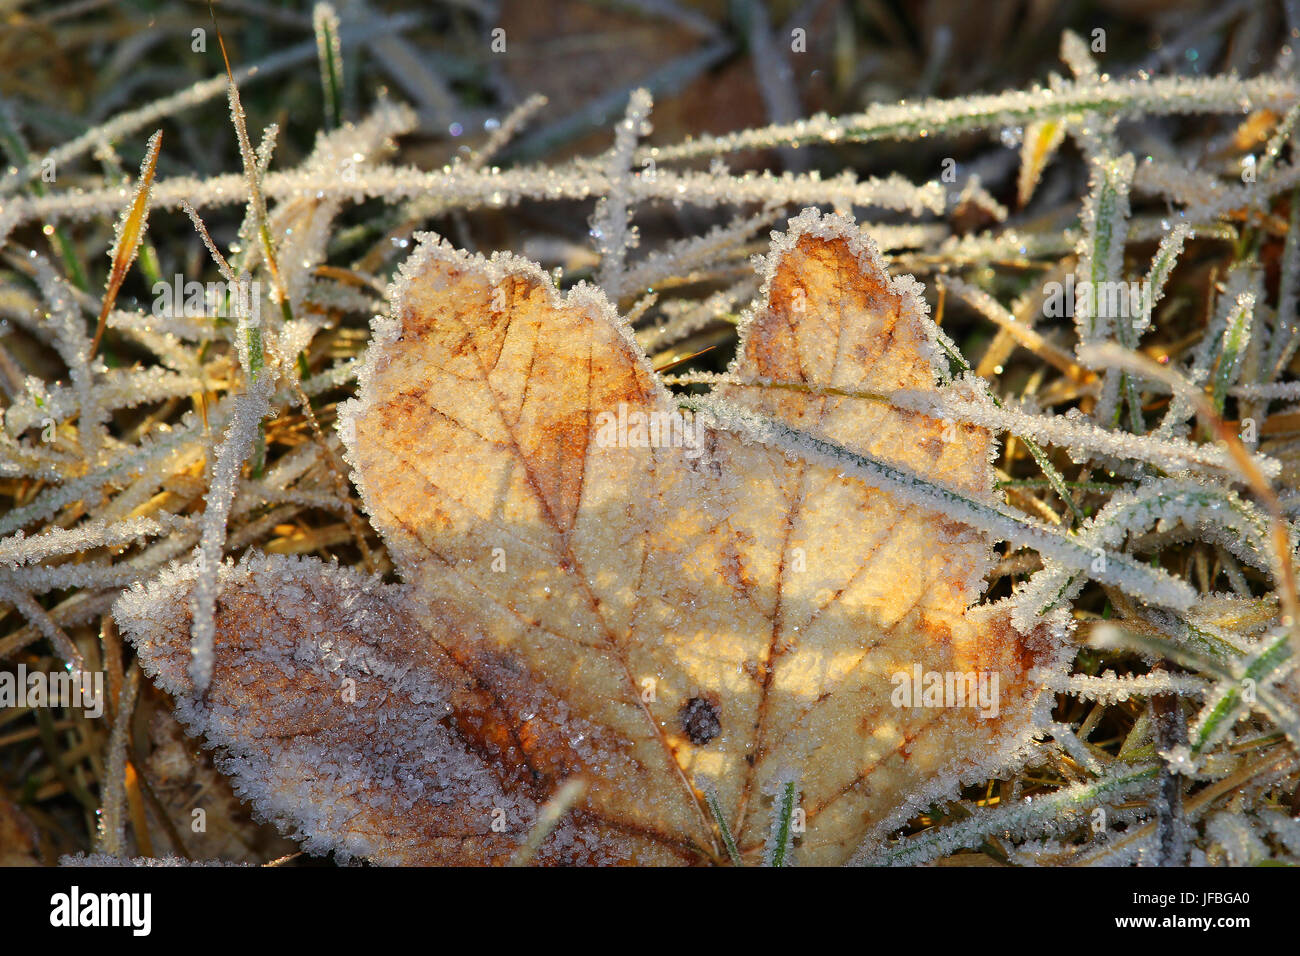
(595, 587)
(1042, 139)
(130, 233)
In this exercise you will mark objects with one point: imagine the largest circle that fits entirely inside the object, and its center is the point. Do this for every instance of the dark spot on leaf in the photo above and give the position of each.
(700, 720)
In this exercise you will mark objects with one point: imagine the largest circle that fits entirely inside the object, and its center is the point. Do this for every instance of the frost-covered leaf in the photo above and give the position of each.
(342, 719)
(595, 587)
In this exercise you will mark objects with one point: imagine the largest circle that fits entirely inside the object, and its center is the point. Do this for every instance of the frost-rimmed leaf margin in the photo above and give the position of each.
(836, 227)
(1018, 743)
(237, 755)
(388, 328)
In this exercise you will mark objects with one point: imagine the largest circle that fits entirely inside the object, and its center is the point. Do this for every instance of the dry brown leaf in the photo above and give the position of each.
(661, 622)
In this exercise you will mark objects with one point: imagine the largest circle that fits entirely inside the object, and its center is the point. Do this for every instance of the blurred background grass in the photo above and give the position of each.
(70, 66)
